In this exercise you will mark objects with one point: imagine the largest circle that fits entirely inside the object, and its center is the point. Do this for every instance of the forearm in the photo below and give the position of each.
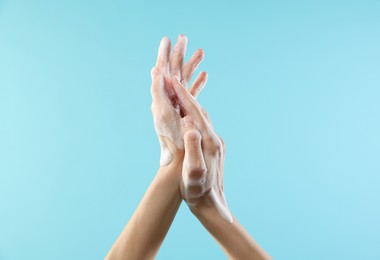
(236, 242)
(147, 228)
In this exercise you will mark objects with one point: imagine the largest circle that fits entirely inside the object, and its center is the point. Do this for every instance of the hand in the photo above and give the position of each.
(203, 165)
(177, 115)
(165, 109)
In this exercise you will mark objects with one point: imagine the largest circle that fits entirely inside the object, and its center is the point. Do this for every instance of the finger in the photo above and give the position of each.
(171, 95)
(206, 115)
(163, 54)
(177, 56)
(194, 164)
(198, 84)
(190, 67)
(189, 105)
(157, 88)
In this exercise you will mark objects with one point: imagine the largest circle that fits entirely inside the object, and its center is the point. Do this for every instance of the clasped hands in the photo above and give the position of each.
(191, 166)
(189, 144)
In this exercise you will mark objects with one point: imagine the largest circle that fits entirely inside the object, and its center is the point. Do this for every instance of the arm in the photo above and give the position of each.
(147, 228)
(235, 241)
(202, 181)
(145, 231)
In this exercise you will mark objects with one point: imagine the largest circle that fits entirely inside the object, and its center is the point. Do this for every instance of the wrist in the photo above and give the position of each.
(211, 218)
(172, 154)
(172, 170)
(205, 212)
(210, 206)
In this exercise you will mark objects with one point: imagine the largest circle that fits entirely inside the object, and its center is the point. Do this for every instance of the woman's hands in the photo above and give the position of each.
(202, 177)
(143, 235)
(203, 164)
(188, 144)
(165, 109)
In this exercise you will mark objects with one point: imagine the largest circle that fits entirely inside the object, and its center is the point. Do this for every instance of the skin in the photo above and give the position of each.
(143, 235)
(191, 166)
(202, 181)
(165, 110)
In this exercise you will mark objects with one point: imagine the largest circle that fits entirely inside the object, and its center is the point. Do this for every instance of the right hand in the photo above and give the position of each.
(203, 165)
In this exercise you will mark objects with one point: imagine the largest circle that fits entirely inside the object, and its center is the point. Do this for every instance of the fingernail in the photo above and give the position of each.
(187, 121)
(201, 52)
(182, 38)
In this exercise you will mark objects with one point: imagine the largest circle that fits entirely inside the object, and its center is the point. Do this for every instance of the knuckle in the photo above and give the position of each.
(154, 71)
(196, 172)
(215, 146)
(204, 112)
(211, 140)
(192, 136)
(176, 48)
(194, 190)
(176, 53)
(207, 139)
(218, 143)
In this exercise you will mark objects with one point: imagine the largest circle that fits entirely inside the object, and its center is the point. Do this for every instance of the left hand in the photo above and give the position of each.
(165, 109)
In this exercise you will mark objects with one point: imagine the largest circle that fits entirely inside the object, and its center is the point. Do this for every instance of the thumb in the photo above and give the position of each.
(194, 164)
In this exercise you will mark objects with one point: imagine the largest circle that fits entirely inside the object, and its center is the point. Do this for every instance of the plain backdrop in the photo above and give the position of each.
(294, 90)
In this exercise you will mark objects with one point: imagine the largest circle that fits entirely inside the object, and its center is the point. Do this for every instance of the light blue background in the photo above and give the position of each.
(294, 89)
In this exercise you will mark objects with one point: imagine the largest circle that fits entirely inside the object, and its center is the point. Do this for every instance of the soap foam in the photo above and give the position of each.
(170, 129)
(221, 207)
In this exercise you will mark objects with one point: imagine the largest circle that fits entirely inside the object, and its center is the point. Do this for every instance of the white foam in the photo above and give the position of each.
(221, 207)
(172, 130)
